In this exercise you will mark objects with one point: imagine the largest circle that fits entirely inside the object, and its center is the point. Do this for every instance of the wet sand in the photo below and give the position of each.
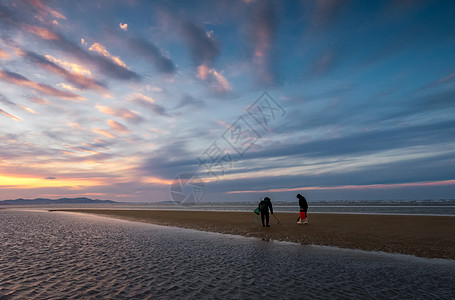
(424, 236)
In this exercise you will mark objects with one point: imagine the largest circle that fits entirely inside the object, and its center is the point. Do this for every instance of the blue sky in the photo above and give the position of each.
(115, 99)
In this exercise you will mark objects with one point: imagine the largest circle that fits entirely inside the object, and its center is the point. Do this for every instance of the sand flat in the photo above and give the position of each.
(424, 236)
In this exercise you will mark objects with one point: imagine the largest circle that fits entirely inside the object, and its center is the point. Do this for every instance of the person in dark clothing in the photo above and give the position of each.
(303, 216)
(264, 206)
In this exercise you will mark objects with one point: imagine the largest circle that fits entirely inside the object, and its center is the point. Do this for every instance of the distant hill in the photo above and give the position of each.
(81, 200)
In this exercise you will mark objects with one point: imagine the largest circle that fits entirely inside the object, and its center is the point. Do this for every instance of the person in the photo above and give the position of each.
(303, 216)
(264, 206)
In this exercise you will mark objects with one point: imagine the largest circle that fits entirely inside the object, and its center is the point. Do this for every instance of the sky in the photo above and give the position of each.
(146, 101)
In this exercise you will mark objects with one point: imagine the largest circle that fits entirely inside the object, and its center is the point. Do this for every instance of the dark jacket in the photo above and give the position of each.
(265, 204)
(302, 203)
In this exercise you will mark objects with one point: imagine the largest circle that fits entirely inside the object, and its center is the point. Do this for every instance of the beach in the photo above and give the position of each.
(422, 236)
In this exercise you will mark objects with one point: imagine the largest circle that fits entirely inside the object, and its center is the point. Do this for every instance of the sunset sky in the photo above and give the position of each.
(333, 99)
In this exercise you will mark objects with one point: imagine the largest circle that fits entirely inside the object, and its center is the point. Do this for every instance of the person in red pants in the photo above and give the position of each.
(303, 216)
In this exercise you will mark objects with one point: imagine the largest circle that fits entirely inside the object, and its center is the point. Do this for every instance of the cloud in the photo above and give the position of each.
(104, 133)
(105, 64)
(149, 103)
(394, 167)
(324, 62)
(123, 27)
(20, 80)
(188, 100)
(6, 101)
(27, 109)
(263, 27)
(20, 15)
(437, 101)
(75, 125)
(4, 55)
(40, 101)
(162, 63)
(440, 82)
(50, 178)
(96, 47)
(170, 160)
(350, 187)
(365, 142)
(67, 87)
(43, 33)
(203, 47)
(70, 66)
(8, 18)
(79, 80)
(154, 88)
(44, 10)
(215, 79)
(99, 144)
(381, 174)
(123, 113)
(118, 127)
(432, 104)
(20, 18)
(8, 115)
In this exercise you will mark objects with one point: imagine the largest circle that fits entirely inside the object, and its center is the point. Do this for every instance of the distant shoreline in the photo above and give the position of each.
(423, 236)
(47, 201)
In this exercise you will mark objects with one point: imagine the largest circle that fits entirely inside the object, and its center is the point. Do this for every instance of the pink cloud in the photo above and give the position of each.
(76, 77)
(262, 35)
(118, 127)
(8, 115)
(100, 49)
(41, 101)
(216, 79)
(41, 32)
(123, 27)
(104, 133)
(123, 113)
(353, 187)
(4, 55)
(20, 80)
(45, 10)
(27, 109)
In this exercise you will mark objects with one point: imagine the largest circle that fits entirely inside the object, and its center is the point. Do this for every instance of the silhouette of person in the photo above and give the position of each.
(303, 216)
(264, 206)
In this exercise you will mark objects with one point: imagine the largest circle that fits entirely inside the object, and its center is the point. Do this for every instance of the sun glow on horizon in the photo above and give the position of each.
(22, 182)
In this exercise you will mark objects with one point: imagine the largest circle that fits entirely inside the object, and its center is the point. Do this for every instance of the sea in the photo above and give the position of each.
(438, 207)
(64, 255)
(434, 207)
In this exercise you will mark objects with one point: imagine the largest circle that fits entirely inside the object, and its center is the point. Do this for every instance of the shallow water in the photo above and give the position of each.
(72, 256)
